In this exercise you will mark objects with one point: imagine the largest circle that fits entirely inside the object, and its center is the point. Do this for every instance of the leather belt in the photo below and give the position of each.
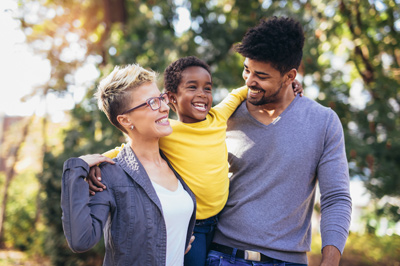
(243, 254)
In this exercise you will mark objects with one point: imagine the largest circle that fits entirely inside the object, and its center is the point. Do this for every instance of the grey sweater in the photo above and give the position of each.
(275, 169)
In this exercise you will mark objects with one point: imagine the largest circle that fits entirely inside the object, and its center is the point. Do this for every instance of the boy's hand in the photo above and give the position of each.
(94, 179)
(297, 88)
(94, 176)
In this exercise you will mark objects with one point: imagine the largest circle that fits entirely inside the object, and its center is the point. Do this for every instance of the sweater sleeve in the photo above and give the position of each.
(83, 217)
(231, 102)
(113, 153)
(333, 177)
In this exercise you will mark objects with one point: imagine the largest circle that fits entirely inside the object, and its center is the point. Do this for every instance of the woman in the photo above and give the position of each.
(147, 211)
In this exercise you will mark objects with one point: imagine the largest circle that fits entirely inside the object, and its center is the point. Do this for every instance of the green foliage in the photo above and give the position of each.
(21, 212)
(379, 122)
(381, 217)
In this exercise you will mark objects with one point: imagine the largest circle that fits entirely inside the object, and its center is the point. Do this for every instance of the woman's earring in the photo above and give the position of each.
(174, 101)
(132, 127)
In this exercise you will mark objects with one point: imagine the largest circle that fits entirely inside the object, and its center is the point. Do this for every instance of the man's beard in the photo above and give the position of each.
(273, 98)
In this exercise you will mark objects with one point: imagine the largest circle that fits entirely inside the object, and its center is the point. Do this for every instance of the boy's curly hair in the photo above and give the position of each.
(173, 73)
(278, 41)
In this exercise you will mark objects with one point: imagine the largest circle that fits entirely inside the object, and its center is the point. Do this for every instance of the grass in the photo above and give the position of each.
(363, 250)
(14, 257)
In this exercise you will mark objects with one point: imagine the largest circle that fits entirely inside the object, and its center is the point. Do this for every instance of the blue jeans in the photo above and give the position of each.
(216, 258)
(204, 233)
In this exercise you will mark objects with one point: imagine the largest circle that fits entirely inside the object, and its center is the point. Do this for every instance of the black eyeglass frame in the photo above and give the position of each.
(160, 98)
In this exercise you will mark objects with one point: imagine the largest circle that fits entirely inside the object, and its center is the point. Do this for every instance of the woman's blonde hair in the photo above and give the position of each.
(113, 91)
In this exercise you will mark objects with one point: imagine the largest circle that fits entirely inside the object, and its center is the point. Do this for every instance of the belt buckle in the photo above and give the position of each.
(252, 255)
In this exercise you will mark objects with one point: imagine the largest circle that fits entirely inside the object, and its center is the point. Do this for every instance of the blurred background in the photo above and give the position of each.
(53, 53)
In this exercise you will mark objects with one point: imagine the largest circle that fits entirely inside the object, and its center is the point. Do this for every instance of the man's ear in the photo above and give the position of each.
(291, 76)
(124, 120)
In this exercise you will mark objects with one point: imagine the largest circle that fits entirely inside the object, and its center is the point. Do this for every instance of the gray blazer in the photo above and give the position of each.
(128, 211)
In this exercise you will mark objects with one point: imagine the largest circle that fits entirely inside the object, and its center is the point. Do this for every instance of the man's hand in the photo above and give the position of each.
(330, 256)
(190, 244)
(297, 88)
(94, 179)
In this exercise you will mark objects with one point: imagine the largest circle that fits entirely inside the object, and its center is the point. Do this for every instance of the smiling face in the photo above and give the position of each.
(193, 98)
(265, 83)
(146, 122)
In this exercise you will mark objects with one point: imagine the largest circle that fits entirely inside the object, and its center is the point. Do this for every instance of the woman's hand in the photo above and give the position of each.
(297, 88)
(190, 244)
(95, 159)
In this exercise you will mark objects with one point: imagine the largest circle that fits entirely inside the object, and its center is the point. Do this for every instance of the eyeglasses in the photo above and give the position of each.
(153, 102)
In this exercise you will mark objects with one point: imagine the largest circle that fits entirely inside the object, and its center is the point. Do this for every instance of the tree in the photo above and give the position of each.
(367, 37)
(376, 56)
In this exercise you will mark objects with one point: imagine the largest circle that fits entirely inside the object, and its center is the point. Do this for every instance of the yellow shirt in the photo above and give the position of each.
(198, 152)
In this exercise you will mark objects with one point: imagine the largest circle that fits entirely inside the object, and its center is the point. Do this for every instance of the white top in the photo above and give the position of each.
(177, 209)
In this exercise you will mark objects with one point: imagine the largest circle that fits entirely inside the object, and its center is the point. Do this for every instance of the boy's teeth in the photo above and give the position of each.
(200, 106)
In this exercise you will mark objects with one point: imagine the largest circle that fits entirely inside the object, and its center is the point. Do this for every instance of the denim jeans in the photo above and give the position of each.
(216, 258)
(204, 233)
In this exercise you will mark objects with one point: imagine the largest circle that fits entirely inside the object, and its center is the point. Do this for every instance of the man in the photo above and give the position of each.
(279, 146)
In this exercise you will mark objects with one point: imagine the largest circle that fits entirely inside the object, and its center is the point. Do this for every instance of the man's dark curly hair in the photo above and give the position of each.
(173, 73)
(278, 41)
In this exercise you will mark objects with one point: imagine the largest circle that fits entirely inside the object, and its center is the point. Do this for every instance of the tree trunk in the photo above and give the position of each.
(9, 176)
(44, 149)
